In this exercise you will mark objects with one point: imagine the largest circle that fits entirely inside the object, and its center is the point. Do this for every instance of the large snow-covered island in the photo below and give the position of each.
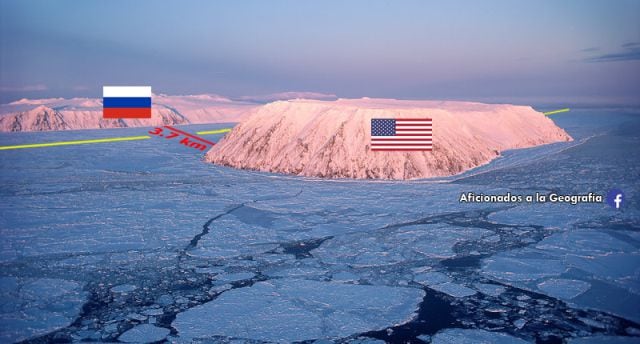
(331, 139)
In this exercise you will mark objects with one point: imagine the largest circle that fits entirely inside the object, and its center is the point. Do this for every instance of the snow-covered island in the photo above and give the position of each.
(86, 113)
(53, 114)
(331, 139)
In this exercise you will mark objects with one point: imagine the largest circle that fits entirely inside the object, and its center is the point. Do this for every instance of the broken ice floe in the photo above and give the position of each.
(457, 336)
(124, 288)
(234, 277)
(550, 215)
(563, 288)
(588, 268)
(506, 267)
(289, 310)
(345, 276)
(45, 304)
(490, 289)
(431, 278)
(605, 340)
(519, 323)
(453, 289)
(390, 246)
(144, 333)
(231, 238)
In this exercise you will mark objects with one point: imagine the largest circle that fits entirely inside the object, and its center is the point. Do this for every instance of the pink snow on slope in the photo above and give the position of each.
(86, 113)
(330, 139)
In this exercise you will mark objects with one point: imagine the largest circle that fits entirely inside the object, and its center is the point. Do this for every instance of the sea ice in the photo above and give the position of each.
(489, 289)
(220, 288)
(453, 289)
(425, 338)
(563, 288)
(360, 340)
(230, 237)
(234, 277)
(345, 276)
(44, 305)
(287, 310)
(519, 323)
(475, 336)
(588, 268)
(584, 243)
(505, 267)
(136, 316)
(144, 333)
(605, 340)
(431, 278)
(124, 288)
(391, 246)
(165, 300)
(298, 272)
(551, 215)
(153, 311)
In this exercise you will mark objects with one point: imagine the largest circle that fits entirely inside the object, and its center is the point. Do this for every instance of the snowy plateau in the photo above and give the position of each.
(331, 139)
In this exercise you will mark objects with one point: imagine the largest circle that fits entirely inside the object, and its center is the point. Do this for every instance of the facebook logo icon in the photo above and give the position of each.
(615, 198)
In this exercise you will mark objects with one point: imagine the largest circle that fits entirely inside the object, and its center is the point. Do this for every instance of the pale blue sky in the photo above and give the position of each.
(519, 51)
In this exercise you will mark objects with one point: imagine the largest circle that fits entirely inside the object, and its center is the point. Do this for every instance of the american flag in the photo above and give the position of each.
(401, 134)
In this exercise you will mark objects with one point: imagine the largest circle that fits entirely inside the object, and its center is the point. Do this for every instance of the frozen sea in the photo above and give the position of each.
(142, 241)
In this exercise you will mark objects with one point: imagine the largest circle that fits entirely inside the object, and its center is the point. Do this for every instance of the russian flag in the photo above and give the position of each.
(126, 102)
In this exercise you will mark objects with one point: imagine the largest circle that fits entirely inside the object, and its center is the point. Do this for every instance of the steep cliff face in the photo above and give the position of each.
(331, 139)
(85, 113)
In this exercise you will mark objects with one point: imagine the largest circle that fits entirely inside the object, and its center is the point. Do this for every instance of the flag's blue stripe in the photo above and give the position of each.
(126, 102)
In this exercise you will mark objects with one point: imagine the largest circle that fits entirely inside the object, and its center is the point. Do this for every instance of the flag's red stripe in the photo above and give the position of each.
(126, 112)
(187, 134)
(420, 134)
(413, 119)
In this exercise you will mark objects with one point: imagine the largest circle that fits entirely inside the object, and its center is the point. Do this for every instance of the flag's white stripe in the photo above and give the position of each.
(404, 131)
(412, 122)
(428, 136)
(413, 132)
(413, 127)
(403, 147)
(401, 142)
(126, 91)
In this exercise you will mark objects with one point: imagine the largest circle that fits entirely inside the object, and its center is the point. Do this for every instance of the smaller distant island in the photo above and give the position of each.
(54, 114)
(331, 139)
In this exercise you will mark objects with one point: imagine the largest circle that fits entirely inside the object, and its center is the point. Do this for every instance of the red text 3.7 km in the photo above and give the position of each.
(188, 140)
